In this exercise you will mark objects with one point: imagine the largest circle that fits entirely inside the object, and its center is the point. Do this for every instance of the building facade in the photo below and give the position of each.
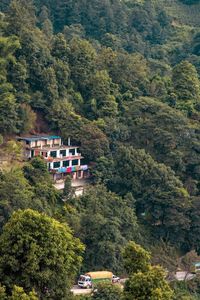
(61, 159)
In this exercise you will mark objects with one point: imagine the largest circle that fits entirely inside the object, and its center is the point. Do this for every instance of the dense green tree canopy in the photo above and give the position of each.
(150, 285)
(107, 222)
(161, 199)
(186, 85)
(17, 294)
(39, 252)
(135, 258)
(163, 132)
(107, 291)
(121, 79)
(145, 281)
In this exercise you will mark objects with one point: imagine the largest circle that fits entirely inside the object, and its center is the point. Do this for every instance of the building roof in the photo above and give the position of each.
(38, 138)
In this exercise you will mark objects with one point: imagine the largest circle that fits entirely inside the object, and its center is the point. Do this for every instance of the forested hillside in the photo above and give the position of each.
(121, 78)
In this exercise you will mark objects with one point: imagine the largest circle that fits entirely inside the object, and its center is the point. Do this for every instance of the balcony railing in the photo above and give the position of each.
(45, 146)
(70, 169)
(51, 158)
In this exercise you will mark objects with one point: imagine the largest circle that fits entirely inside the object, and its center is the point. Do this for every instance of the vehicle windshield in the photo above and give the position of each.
(82, 278)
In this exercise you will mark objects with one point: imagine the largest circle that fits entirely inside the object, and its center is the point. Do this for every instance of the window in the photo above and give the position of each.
(63, 152)
(75, 162)
(72, 151)
(56, 165)
(44, 154)
(53, 154)
(66, 163)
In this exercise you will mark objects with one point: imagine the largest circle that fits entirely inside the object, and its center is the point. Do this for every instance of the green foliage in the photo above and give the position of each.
(133, 70)
(21, 197)
(163, 132)
(19, 294)
(51, 255)
(21, 16)
(14, 150)
(31, 188)
(103, 169)
(63, 118)
(68, 190)
(103, 102)
(90, 68)
(150, 285)
(60, 49)
(27, 118)
(1, 139)
(8, 115)
(8, 107)
(2, 292)
(188, 260)
(186, 85)
(194, 217)
(186, 290)
(167, 256)
(94, 142)
(161, 200)
(190, 2)
(107, 222)
(37, 174)
(145, 281)
(82, 62)
(107, 291)
(136, 259)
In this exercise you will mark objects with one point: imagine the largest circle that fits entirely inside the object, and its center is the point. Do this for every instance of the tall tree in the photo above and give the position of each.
(161, 199)
(34, 190)
(186, 85)
(21, 16)
(102, 94)
(94, 142)
(82, 63)
(135, 258)
(163, 132)
(39, 252)
(145, 282)
(111, 224)
(8, 106)
(150, 285)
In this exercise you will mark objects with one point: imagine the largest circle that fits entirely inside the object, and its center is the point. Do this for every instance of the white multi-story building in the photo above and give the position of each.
(61, 159)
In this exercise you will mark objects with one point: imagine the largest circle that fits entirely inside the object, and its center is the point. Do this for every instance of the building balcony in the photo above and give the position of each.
(54, 147)
(61, 158)
(45, 147)
(69, 169)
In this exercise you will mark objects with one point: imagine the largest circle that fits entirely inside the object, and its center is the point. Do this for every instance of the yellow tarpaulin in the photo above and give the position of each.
(100, 274)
